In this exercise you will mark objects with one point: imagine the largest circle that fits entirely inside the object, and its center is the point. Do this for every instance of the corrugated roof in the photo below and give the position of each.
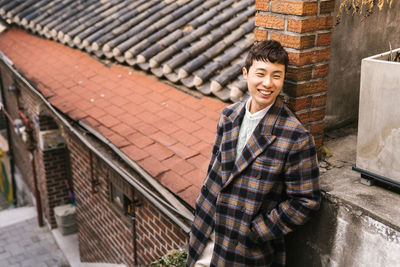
(197, 43)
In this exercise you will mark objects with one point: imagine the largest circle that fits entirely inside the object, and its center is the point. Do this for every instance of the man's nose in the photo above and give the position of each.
(267, 81)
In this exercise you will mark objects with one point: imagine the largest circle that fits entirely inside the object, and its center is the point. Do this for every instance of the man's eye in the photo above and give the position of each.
(277, 76)
(259, 74)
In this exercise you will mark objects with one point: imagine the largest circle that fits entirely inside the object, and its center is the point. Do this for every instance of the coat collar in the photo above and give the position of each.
(261, 138)
(267, 122)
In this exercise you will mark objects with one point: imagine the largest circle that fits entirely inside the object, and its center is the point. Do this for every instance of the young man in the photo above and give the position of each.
(263, 177)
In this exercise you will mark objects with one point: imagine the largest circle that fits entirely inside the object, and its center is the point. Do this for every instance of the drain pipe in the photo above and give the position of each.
(93, 180)
(31, 149)
(133, 216)
(37, 194)
(162, 205)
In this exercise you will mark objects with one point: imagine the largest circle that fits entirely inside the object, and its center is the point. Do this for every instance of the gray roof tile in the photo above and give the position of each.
(197, 43)
(20, 8)
(63, 22)
(50, 14)
(131, 11)
(9, 5)
(97, 21)
(167, 29)
(100, 12)
(31, 13)
(142, 26)
(227, 75)
(237, 89)
(45, 15)
(216, 49)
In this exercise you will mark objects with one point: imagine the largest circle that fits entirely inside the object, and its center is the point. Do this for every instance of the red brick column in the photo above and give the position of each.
(304, 29)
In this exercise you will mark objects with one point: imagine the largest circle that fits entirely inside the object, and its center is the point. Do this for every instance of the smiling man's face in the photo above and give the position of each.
(265, 82)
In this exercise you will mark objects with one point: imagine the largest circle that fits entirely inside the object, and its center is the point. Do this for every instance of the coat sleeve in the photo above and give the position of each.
(301, 178)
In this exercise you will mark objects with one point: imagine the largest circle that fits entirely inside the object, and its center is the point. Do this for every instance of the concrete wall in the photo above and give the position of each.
(353, 39)
(343, 235)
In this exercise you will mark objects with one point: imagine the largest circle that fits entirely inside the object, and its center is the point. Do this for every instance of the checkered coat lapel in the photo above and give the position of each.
(229, 141)
(258, 141)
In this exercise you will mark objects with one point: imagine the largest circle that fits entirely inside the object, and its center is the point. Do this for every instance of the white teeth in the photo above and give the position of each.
(265, 92)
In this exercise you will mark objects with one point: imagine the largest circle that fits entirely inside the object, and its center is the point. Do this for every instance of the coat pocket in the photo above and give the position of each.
(267, 168)
(252, 248)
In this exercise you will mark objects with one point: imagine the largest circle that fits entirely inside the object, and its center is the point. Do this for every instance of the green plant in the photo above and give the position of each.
(174, 258)
(360, 6)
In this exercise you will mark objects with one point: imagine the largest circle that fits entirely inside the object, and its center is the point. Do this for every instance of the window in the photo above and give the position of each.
(119, 199)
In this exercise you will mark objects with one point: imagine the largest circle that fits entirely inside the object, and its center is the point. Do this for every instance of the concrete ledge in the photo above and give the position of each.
(357, 225)
(101, 265)
(69, 245)
(16, 215)
(343, 185)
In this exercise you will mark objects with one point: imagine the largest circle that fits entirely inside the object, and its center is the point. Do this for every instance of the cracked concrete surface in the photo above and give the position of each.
(339, 181)
(357, 225)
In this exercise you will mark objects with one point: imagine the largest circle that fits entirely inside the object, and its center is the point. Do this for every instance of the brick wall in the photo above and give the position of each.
(51, 166)
(156, 233)
(105, 234)
(46, 122)
(304, 29)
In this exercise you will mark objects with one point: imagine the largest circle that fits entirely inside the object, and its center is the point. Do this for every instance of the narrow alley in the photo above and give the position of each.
(23, 243)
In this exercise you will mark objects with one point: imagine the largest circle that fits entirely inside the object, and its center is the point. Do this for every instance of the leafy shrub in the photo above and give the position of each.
(174, 258)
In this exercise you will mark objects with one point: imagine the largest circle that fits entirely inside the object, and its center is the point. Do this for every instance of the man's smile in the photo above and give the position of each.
(264, 92)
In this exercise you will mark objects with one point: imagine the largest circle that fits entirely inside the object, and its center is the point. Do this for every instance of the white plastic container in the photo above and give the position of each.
(378, 140)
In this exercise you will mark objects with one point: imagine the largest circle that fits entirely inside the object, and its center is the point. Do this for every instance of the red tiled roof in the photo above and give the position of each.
(166, 131)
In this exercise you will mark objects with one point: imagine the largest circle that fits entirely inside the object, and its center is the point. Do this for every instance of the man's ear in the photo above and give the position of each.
(244, 70)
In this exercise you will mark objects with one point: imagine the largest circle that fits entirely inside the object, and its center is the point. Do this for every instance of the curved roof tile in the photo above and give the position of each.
(30, 13)
(197, 43)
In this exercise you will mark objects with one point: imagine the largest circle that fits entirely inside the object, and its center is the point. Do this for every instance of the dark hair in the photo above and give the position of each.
(270, 50)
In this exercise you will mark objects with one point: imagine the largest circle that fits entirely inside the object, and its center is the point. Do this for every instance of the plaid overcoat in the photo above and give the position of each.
(253, 202)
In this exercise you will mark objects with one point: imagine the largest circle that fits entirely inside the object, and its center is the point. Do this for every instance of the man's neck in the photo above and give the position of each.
(258, 113)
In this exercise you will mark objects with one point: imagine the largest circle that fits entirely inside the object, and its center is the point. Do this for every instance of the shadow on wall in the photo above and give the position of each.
(23, 193)
(353, 39)
(311, 244)
(343, 235)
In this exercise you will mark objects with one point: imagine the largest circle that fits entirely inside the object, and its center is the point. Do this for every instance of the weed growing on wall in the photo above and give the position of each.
(394, 56)
(365, 7)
